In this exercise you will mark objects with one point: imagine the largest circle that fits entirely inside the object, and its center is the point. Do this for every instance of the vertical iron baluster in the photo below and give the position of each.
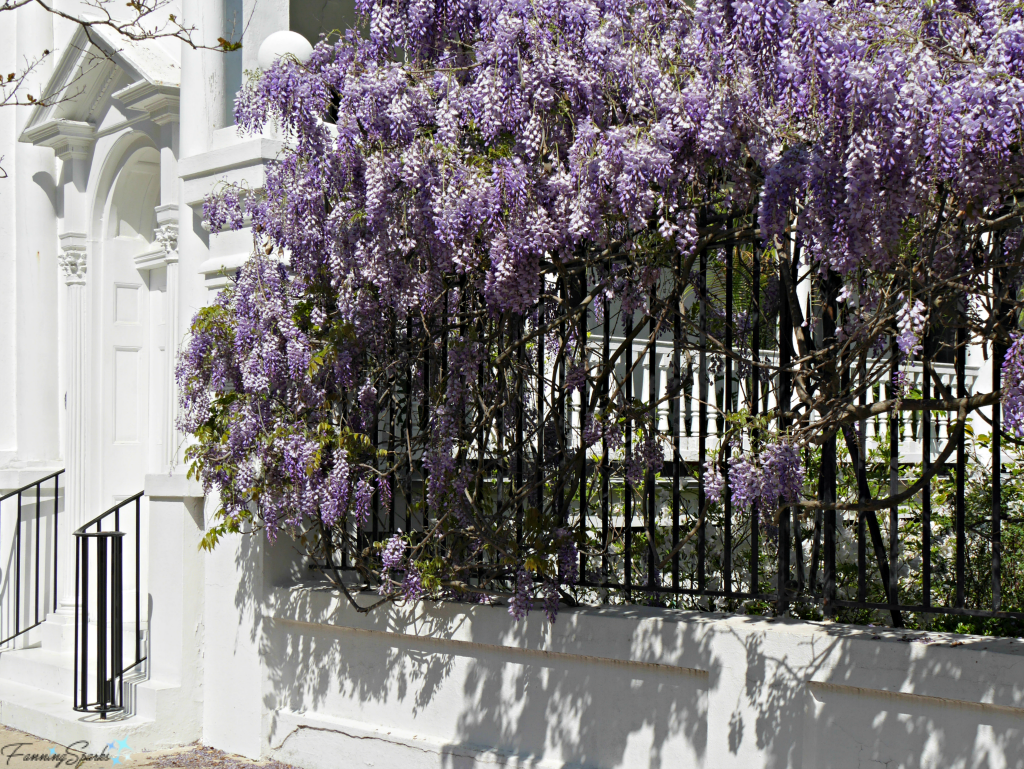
(652, 390)
(754, 393)
(785, 387)
(56, 530)
(675, 416)
(724, 409)
(828, 464)
(997, 459)
(862, 458)
(17, 572)
(101, 624)
(584, 330)
(502, 465)
(539, 481)
(74, 678)
(389, 479)
(961, 461)
(39, 489)
(894, 482)
(926, 491)
(559, 407)
(520, 418)
(628, 454)
(702, 440)
(481, 439)
(605, 462)
(425, 421)
(409, 373)
(116, 622)
(138, 578)
(82, 579)
(798, 545)
(376, 486)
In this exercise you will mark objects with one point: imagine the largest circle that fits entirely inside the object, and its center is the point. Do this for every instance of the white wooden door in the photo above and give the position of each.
(126, 372)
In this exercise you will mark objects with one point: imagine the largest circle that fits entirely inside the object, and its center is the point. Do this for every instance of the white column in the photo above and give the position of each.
(73, 260)
(38, 398)
(202, 77)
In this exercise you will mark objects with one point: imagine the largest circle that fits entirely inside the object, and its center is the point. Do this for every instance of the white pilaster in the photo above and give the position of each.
(74, 262)
(167, 237)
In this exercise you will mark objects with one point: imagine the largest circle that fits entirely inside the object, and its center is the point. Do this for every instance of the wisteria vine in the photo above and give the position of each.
(471, 189)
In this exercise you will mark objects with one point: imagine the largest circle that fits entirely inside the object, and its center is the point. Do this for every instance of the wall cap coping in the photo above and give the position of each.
(979, 670)
(173, 486)
(245, 152)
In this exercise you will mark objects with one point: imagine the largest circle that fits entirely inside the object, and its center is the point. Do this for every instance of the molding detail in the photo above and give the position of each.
(164, 250)
(69, 139)
(73, 258)
(159, 100)
(167, 230)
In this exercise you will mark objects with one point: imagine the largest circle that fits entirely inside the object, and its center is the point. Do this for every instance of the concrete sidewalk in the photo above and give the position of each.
(21, 751)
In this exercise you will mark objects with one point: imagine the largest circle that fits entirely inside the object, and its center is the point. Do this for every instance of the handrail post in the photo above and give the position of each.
(17, 572)
(38, 508)
(108, 666)
(101, 625)
(116, 623)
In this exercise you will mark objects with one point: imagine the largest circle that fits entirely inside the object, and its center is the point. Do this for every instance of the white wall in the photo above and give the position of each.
(459, 686)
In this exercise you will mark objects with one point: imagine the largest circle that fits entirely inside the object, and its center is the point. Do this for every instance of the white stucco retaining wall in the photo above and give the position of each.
(463, 686)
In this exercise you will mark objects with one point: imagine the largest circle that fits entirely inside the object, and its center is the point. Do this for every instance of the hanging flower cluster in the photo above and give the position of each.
(760, 482)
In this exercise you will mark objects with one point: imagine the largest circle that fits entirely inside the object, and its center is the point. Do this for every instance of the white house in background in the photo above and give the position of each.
(103, 261)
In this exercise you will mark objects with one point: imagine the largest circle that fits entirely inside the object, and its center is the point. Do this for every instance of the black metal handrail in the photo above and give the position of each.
(36, 615)
(106, 669)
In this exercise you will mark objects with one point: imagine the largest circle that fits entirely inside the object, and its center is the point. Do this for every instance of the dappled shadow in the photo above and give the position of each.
(307, 670)
(579, 706)
(529, 690)
(633, 687)
(844, 696)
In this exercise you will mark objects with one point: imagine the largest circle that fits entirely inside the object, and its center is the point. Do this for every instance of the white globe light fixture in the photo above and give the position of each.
(280, 44)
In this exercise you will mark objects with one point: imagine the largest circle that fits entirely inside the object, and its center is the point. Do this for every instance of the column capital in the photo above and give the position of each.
(167, 230)
(73, 258)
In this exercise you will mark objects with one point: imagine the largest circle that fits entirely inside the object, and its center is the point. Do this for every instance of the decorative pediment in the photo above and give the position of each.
(94, 63)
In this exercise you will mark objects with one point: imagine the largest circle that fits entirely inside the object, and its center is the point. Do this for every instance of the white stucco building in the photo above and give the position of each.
(103, 260)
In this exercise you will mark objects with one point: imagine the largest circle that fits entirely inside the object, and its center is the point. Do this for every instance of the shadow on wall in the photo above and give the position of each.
(475, 685)
(627, 687)
(27, 562)
(581, 711)
(917, 701)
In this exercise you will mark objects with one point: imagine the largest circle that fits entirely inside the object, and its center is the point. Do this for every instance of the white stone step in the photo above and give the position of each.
(51, 670)
(50, 716)
(58, 634)
(40, 668)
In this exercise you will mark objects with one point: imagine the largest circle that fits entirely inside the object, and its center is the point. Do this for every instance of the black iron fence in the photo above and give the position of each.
(726, 349)
(100, 589)
(32, 558)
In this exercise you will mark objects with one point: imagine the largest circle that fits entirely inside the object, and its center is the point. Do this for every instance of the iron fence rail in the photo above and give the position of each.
(661, 538)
